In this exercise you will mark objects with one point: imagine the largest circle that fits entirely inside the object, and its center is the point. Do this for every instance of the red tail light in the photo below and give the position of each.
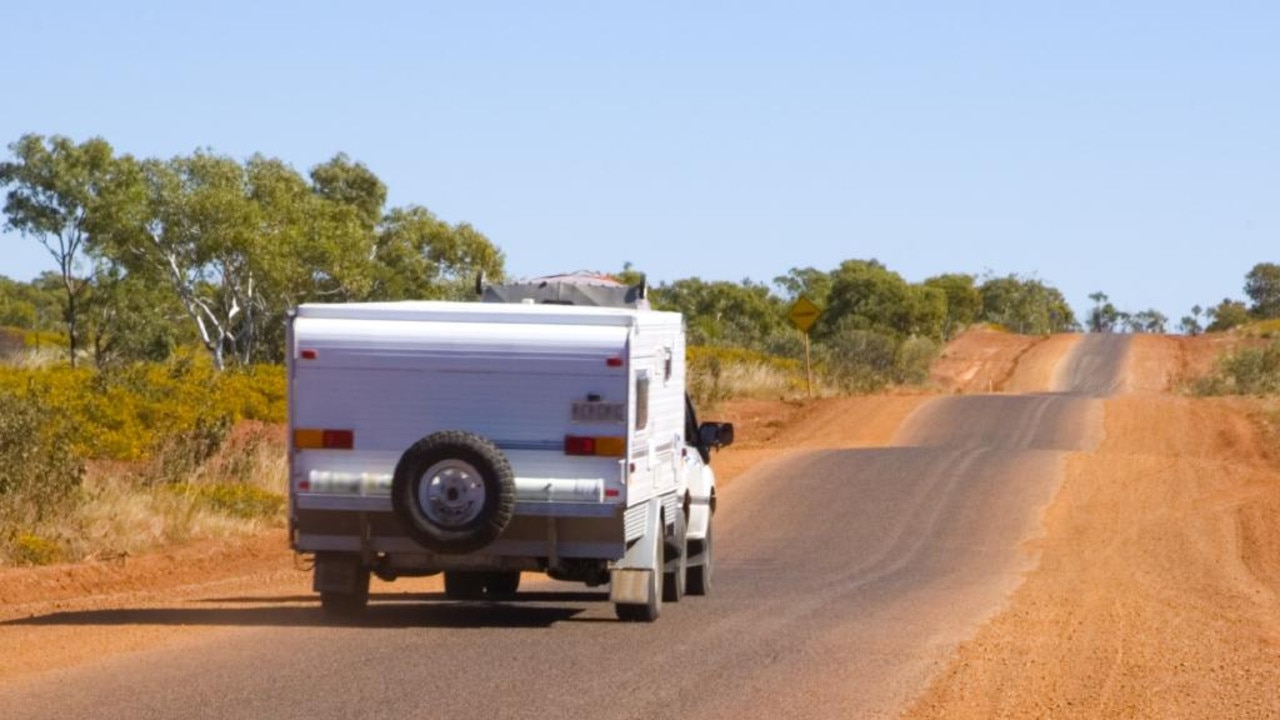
(598, 446)
(339, 439)
(575, 445)
(316, 439)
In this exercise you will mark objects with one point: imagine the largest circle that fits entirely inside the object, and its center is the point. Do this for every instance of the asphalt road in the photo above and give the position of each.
(843, 579)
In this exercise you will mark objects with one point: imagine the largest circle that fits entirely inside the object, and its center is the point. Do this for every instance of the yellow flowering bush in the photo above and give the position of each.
(132, 412)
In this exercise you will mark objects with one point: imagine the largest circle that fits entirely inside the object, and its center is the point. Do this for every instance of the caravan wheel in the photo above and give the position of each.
(454, 492)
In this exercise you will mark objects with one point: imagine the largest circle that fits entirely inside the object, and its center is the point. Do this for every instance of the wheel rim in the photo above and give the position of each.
(452, 493)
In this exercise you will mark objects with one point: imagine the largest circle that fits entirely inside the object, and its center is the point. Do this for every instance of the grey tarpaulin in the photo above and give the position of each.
(570, 289)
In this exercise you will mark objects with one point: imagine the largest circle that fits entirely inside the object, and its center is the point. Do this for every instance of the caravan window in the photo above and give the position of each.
(642, 400)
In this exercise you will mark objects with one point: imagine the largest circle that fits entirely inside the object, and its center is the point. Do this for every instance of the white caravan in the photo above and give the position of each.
(483, 440)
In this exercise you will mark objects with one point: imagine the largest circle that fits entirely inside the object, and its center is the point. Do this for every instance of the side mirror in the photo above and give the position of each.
(715, 435)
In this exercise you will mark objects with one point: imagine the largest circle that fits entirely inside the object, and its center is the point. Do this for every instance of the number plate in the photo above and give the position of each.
(600, 412)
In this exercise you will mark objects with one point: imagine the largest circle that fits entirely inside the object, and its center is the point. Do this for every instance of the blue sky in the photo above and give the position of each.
(1132, 148)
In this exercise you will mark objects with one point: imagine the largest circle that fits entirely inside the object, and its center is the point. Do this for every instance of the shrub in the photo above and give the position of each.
(859, 360)
(914, 357)
(40, 477)
(719, 373)
(44, 339)
(181, 454)
(240, 500)
(1248, 371)
(31, 549)
(38, 470)
(137, 411)
(1269, 329)
(11, 343)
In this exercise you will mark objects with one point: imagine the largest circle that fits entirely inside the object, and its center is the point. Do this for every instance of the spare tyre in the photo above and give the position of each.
(454, 492)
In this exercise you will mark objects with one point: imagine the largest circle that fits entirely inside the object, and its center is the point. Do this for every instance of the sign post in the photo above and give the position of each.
(803, 314)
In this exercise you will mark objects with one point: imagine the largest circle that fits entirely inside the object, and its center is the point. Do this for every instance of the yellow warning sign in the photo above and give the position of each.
(803, 313)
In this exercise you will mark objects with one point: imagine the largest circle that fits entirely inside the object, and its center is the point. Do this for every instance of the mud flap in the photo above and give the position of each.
(632, 581)
(630, 586)
(337, 573)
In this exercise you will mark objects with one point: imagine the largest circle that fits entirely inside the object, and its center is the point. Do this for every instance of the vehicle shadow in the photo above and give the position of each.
(390, 610)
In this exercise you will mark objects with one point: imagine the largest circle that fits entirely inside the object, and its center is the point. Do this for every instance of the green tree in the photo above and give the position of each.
(856, 359)
(220, 234)
(629, 275)
(35, 305)
(419, 256)
(865, 295)
(237, 244)
(1147, 321)
(809, 282)
(1103, 316)
(1026, 306)
(1226, 315)
(926, 312)
(1190, 324)
(723, 313)
(1262, 285)
(129, 318)
(963, 301)
(315, 247)
(54, 186)
(352, 184)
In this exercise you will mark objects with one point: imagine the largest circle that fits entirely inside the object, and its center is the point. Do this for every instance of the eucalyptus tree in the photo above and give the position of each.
(810, 282)
(54, 186)
(1026, 305)
(719, 312)
(1226, 315)
(351, 184)
(1103, 316)
(1262, 285)
(236, 243)
(419, 256)
(963, 301)
(865, 295)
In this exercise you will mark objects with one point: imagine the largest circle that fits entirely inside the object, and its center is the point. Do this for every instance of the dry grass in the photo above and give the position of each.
(32, 358)
(123, 510)
(749, 380)
(1268, 329)
(719, 373)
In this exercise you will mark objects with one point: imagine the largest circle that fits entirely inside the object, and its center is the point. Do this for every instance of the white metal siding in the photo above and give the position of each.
(655, 450)
(637, 521)
(396, 372)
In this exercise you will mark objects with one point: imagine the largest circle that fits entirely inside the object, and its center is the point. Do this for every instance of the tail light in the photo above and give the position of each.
(323, 439)
(597, 446)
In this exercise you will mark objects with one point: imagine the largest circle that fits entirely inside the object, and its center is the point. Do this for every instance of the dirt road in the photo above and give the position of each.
(874, 559)
(1158, 590)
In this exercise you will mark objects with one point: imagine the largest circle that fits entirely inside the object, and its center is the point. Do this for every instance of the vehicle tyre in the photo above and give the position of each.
(454, 492)
(648, 612)
(502, 584)
(347, 605)
(700, 574)
(464, 585)
(675, 565)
